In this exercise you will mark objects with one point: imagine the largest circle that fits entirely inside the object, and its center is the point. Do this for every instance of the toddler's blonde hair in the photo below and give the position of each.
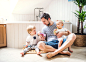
(60, 21)
(30, 28)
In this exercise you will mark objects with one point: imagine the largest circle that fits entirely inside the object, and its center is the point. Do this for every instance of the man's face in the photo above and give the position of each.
(45, 21)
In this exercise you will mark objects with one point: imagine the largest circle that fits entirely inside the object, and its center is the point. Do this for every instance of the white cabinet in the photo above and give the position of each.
(68, 25)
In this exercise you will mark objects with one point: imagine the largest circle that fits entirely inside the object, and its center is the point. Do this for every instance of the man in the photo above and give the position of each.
(52, 42)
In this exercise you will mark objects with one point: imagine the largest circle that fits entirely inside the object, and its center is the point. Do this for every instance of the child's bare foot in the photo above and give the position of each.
(26, 46)
(38, 53)
(49, 55)
(70, 51)
(22, 54)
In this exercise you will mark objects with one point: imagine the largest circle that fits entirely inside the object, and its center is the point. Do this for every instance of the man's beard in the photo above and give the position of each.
(48, 24)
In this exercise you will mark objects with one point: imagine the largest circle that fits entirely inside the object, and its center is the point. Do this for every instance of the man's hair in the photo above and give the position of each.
(46, 16)
(30, 28)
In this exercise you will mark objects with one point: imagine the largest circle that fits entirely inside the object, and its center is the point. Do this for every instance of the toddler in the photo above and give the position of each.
(60, 28)
(31, 40)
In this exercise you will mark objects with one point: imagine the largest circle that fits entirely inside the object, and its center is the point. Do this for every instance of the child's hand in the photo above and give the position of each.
(38, 33)
(41, 37)
(55, 31)
(26, 46)
(38, 53)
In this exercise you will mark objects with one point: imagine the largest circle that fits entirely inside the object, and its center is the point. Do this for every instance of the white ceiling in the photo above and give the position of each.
(27, 6)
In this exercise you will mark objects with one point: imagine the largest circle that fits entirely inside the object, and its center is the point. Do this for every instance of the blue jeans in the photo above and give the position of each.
(54, 43)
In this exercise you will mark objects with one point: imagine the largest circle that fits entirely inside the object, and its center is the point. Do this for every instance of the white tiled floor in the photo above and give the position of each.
(13, 55)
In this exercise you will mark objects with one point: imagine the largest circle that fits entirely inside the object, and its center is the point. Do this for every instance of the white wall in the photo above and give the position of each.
(17, 33)
(22, 17)
(28, 6)
(58, 9)
(62, 10)
(4, 9)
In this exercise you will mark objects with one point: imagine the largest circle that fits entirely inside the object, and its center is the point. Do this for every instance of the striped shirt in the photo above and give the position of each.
(49, 31)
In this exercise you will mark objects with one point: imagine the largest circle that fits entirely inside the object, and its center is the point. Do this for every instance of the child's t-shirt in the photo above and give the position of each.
(62, 30)
(30, 40)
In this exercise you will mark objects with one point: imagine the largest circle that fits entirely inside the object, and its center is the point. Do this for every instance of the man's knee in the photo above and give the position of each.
(40, 44)
(72, 36)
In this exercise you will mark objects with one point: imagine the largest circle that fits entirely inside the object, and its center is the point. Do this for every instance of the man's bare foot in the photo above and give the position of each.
(22, 54)
(70, 51)
(66, 52)
(38, 53)
(49, 55)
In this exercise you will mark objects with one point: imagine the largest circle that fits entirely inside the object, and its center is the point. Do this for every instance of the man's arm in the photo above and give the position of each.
(60, 34)
(42, 38)
(66, 33)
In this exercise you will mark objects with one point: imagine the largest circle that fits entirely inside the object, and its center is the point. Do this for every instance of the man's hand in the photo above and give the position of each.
(60, 34)
(69, 32)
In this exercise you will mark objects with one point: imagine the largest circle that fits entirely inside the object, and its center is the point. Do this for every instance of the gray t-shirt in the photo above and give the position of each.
(49, 31)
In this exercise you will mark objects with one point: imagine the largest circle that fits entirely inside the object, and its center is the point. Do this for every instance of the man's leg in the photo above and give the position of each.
(65, 52)
(42, 46)
(49, 55)
(65, 45)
